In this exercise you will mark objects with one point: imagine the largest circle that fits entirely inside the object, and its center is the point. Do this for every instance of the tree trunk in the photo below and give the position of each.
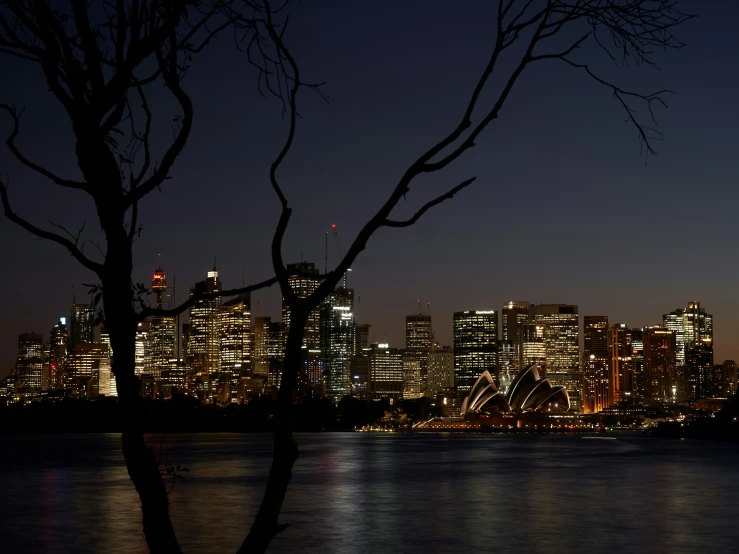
(265, 525)
(120, 322)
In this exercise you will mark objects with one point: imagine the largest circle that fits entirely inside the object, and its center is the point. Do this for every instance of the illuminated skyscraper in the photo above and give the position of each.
(260, 346)
(621, 369)
(80, 325)
(699, 375)
(475, 337)
(386, 371)
(533, 345)
(692, 326)
(514, 314)
(441, 371)
(276, 353)
(161, 336)
(596, 392)
(659, 346)
(337, 342)
(235, 344)
(86, 359)
(361, 338)
(411, 378)
(29, 365)
(142, 352)
(203, 343)
(304, 285)
(419, 339)
(561, 335)
(57, 353)
(637, 362)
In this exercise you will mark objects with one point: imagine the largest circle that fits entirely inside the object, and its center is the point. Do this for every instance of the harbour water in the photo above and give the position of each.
(384, 492)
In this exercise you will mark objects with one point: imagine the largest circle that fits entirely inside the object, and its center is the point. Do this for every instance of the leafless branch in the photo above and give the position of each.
(44, 234)
(426, 207)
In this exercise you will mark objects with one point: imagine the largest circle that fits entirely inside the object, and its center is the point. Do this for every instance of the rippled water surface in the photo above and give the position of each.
(358, 492)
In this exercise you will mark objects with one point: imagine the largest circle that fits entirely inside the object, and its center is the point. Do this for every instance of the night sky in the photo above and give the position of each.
(564, 209)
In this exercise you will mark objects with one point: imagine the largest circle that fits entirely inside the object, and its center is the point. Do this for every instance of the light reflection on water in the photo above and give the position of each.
(360, 492)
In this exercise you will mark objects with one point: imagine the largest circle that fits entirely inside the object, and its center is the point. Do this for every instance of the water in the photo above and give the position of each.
(365, 492)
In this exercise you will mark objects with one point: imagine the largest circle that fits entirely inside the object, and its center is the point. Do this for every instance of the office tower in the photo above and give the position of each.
(275, 353)
(692, 326)
(161, 336)
(359, 369)
(386, 370)
(303, 285)
(659, 347)
(533, 348)
(419, 338)
(87, 357)
(440, 371)
(260, 346)
(621, 379)
(561, 337)
(411, 377)
(475, 336)
(29, 365)
(235, 346)
(80, 325)
(509, 359)
(361, 338)
(57, 353)
(597, 392)
(637, 362)
(142, 353)
(728, 378)
(514, 314)
(203, 340)
(699, 377)
(337, 342)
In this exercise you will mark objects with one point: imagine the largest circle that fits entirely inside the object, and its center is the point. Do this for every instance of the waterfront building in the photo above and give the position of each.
(203, 340)
(411, 378)
(660, 376)
(597, 392)
(337, 342)
(440, 375)
(475, 336)
(235, 346)
(386, 371)
(561, 337)
(29, 365)
(419, 339)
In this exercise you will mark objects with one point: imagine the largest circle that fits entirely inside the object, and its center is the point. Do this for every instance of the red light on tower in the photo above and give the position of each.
(159, 281)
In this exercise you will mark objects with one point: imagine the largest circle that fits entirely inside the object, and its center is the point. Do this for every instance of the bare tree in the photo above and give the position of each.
(527, 32)
(100, 60)
(94, 69)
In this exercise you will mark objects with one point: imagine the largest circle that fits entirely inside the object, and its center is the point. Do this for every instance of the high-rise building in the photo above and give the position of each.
(597, 394)
(361, 338)
(692, 326)
(275, 353)
(87, 358)
(304, 284)
(659, 347)
(142, 352)
(29, 365)
(419, 339)
(621, 374)
(514, 314)
(57, 354)
(80, 325)
(337, 342)
(260, 346)
(235, 346)
(411, 378)
(728, 378)
(440, 371)
(637, 362)
(699, 376)
(561, 336)
(533, 348)
(203, 342)
(475, 337)
(386, 370)
(162, 335)
(509, 360)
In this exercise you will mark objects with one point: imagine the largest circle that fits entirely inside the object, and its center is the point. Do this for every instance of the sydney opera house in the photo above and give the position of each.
(526, 393)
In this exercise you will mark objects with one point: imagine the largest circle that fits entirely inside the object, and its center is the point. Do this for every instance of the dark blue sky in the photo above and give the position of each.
(564, 209)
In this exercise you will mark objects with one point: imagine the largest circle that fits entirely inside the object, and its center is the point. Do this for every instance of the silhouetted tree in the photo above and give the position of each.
(528, 33)
(100, 60)
(93, 69)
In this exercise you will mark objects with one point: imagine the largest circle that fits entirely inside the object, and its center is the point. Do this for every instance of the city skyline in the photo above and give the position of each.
(632, 274)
